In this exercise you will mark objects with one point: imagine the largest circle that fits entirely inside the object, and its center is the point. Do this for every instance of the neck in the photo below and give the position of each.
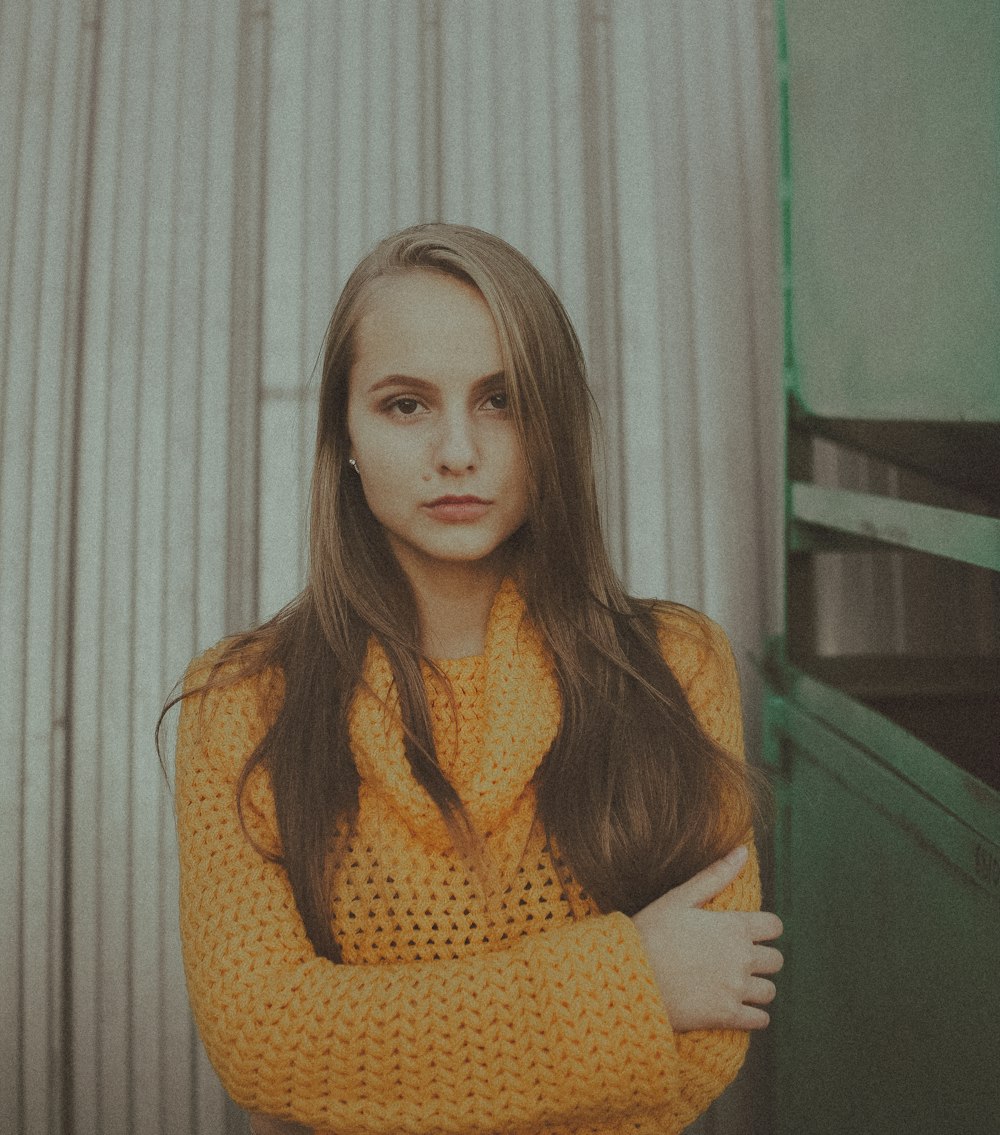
(453, 603)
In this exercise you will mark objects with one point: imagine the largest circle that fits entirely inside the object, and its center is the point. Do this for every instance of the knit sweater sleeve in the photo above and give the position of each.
(699, 652)
(563, 1027)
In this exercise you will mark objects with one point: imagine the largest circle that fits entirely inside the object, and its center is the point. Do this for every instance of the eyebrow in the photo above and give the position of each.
(424, 384)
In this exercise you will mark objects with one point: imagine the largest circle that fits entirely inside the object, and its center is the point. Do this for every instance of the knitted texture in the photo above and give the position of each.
(460, 1008)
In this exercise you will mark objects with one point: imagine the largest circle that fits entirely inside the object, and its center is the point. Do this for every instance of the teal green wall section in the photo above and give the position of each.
(887, 765)
(892, 194)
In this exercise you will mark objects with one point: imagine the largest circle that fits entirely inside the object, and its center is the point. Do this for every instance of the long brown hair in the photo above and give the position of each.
(633, 795)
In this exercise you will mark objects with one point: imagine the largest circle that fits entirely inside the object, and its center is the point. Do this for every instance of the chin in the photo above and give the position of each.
(471, 554)
(465, 555)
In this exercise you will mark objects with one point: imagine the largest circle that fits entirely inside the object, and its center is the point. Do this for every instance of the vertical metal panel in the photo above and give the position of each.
(646, 515)
(405, 75)
(511, 112)
(694, 382)
(318, 267)
(175, 508)
(563, 68)
(320, 162)
(88, 887)
(751, 40)
(288, 210)
(348, 129)
(321, 64)
(655, 242)
(154, 1050)
(41, 68)
(246, 320)
(218, 192)
(542, 201)
(14, 475)
(286, 202)
(199, 298)
(282, 519)
(15, 26)
(465, 111)
(725, 397)
(169, 474)
(378, 121)
(150, 558)
(602, 261)
(498, 124)
(431, 107)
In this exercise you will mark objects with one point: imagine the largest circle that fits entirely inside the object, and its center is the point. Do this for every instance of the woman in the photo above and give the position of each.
(465, 830)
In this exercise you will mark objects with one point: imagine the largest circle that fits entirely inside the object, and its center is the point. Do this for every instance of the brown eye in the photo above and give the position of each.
(498, 401)
(406, 406)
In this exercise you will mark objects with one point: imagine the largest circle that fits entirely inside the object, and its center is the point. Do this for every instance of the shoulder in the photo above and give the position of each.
(230, 689)
(698, 652)
(237, 663)
(693, 645)
(231, 700)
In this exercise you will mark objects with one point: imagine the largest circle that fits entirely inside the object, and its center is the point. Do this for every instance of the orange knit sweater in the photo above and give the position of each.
(521, 1010)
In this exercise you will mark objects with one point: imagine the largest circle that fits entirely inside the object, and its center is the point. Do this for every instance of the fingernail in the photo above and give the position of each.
(738, 856)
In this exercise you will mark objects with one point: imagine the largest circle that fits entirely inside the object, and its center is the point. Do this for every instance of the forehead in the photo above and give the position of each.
(425, 324)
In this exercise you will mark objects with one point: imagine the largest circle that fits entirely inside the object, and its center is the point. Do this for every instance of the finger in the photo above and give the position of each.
(760, 991)
(766, 959)
(709, 882)
(764, 926)
(748, 1017)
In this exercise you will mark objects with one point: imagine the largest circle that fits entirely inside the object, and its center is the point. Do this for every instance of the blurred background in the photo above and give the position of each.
(184, 189)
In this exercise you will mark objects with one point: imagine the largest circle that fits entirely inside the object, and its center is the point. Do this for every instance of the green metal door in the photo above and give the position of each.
(887, 842)
(889, 1017)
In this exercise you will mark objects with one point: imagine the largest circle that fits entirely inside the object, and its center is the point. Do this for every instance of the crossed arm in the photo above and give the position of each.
(565, 1028)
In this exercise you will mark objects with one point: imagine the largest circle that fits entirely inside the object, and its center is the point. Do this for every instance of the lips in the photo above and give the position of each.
(456, 509)
(457, 500)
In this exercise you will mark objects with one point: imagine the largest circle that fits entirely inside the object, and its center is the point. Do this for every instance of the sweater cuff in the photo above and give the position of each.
(608, 1017)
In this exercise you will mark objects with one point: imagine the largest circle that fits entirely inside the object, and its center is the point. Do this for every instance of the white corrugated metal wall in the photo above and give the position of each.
(184, 190)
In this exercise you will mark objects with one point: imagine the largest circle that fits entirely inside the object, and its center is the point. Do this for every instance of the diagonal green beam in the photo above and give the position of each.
(960, 536)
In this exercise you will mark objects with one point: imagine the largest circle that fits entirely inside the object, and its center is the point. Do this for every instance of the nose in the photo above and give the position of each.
(457, 444)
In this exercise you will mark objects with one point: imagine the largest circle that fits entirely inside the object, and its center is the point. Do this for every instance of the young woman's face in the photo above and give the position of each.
(436, 449)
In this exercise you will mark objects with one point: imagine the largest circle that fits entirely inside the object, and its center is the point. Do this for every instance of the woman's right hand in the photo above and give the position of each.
(708, 963)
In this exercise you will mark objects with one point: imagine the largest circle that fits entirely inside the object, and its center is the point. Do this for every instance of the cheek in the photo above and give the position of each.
(381, 483)
(383, 457)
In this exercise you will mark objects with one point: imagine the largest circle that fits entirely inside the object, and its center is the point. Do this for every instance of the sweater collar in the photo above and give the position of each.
(510, 695)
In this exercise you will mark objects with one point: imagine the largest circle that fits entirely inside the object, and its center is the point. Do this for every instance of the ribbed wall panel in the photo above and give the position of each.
(643, 382)
(168, 264)
(699, 366)
(597, 280)
(286, 227)
(511, 155)
(44, 87)
(149, 562)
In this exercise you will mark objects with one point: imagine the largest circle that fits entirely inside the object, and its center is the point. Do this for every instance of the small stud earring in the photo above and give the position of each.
(353, 464)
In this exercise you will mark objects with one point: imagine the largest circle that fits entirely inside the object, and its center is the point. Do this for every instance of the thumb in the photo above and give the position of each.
(709, 882)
